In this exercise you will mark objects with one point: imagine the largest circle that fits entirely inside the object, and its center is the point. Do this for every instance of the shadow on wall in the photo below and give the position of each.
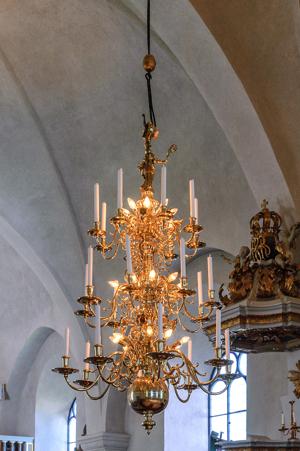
(39, 401)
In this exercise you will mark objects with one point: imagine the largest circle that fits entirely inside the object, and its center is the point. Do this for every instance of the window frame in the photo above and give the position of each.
(228, 413)
(71, 416)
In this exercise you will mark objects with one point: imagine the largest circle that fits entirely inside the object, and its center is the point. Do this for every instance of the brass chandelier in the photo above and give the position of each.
(152, 303)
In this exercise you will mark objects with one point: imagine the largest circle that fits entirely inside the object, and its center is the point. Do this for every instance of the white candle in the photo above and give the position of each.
(90, 266)
(227, 344)
(192, 196)
(120, 188)
(293, 417)
(218, 328)
(86, 279)
(190, 349)
(210, 273)
(67, 337)
(196, 210)
(103, 217)
(163, 193)
(128, 256)
(87, 354)
(96, 203)
(200, 288)
(98, 325)
(282, 419)
(182, 258)
(160, 321)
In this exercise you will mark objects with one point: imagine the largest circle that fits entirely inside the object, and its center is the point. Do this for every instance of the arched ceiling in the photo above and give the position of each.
(260, 38)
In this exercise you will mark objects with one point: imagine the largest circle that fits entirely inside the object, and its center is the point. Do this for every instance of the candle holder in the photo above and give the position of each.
(218, 361)
(184, 290)
(228, 377)
(89, 298)
(120, 219)
(161, 353)
(131, 284)
(86, 313)
(189, 386)
(102, 246)
(211, 302)
(194, 229)
(166, 214)
(293, 428)
(98, 359)
(85, 382)
(95, 231)
(65, 369)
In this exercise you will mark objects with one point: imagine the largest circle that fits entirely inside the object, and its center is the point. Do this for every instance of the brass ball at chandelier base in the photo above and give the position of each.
(149, 63)
(145, 395)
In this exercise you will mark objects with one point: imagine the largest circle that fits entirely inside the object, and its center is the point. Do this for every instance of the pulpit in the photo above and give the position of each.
(270, 445)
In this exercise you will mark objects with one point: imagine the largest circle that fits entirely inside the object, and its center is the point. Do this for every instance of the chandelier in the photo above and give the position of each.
(152, 303)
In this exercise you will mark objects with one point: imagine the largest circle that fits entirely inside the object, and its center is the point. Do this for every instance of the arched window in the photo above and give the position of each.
(227, 412)
(71, 439)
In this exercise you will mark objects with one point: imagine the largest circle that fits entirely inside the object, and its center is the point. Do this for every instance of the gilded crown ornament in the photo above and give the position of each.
(151, 304)
(262, 305)
(267, 269)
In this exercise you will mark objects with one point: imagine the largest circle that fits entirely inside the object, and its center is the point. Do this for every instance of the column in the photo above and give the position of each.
(105, 441)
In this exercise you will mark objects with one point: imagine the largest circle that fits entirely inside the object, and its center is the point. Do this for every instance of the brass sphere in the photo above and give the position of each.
(144, 395)
(149, 63)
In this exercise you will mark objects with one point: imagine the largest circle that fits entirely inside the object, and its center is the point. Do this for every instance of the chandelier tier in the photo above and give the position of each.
(152, 303)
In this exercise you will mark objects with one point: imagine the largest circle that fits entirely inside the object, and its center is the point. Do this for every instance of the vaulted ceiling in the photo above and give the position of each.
(260, 38)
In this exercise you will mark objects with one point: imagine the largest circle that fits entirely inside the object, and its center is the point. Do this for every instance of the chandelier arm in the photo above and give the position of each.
(194, 374)
(209, 392)
(199, 318)
(82, 389)
(116, 368)
(187, 329)
(114, 254)
(97, 398)
(179, 397)
(89, 324)
(193, 370)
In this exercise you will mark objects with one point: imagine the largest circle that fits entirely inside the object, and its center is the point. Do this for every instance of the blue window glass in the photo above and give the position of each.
(71, 440)
(228, 412)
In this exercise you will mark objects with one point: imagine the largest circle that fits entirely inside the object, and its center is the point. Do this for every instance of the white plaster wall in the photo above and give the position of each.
(267, 385)
(139, 440)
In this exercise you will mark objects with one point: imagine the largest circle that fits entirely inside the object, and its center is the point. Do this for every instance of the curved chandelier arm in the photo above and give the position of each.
(82, 389)
(209, 392)
(187, 329)
(201, 317)
(115, 371)
(191, 373)
(109, 250)
(97, 398)
(189, 392)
